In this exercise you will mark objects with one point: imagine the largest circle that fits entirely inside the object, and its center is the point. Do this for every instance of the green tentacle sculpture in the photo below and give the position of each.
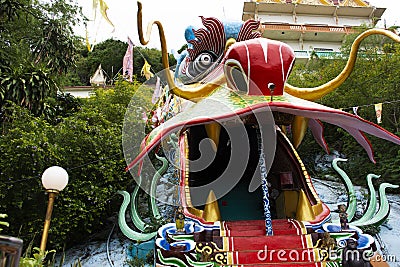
(132, 199)
(384, 207)
(137, 221)
(153, 187)
(371, 206)
(125, 229)
(352, 201)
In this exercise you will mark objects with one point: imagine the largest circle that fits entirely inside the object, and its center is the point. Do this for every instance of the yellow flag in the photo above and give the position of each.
(103, 11)
(89, 47)
(146, 70)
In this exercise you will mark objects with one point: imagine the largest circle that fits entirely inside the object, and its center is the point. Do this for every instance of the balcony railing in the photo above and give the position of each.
(306, 28)
(303, 54)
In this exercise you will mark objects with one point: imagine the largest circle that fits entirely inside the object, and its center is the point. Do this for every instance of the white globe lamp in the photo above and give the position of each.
(54, 179)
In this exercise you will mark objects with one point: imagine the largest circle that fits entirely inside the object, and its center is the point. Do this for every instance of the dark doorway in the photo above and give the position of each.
(238, 203)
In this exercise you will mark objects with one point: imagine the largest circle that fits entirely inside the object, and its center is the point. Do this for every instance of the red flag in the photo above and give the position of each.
(127, 64)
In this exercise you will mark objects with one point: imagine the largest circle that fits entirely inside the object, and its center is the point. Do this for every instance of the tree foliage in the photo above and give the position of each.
(87, 143)
(36, 45)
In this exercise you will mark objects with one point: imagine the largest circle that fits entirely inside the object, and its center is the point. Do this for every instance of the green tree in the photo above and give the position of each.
(87, 143)
(108, 53)
(36, 46)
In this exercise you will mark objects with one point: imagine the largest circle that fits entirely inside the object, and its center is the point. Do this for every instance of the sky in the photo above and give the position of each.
(177, 15)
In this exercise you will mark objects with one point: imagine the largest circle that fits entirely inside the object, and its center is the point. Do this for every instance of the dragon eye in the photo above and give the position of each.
(203, 63)
(236, 77)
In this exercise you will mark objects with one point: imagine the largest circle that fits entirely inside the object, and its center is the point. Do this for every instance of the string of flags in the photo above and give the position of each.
(127, 70)
(127, 63)
(378, 109)
(102, 7)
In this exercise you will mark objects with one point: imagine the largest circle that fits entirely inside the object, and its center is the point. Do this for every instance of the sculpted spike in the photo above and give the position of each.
(156, 177)
(299, 128)
(211, 210)
(125, 229)
(384, 207)
(213, 131)
(352, 201)
(371, 207)
(137, 221)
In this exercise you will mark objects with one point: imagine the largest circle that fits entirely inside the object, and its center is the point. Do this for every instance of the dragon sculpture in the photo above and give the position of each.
(231, 65)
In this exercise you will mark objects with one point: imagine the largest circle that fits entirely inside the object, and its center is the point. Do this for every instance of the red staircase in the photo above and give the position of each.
(245, 244)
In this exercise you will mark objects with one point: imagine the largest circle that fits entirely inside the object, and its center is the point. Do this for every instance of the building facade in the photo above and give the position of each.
(311, 26)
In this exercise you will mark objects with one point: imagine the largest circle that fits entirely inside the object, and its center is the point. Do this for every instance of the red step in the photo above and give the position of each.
(247, 245)
(291, 264)
(257, 228)
(275, 256)
(258, 222)
(271, 242)
(260, 232)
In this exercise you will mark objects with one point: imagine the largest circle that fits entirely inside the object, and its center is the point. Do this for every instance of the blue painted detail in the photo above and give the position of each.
(364, 240)
(141, 250)
(170, 229)
(318, 225)
(188, 245)
(264, 185)
(232, 29)
(189, 35)
(215, 226)
(335, 228)
(179, 58)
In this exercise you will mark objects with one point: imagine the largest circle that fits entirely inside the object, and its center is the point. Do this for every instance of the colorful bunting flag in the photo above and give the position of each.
(89, 47)
(146, 70)
(103, 10)
(127, 63)
(378, 111)
(102, 5)
(157, 91)
(355, 109)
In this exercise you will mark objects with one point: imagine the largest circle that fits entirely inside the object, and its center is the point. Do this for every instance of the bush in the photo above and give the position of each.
(87, 144)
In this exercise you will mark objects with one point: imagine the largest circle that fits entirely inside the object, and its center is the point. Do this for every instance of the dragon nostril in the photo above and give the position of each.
(271, 86)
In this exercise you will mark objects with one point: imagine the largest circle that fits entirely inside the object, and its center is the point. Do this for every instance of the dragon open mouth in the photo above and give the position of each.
(291, 194)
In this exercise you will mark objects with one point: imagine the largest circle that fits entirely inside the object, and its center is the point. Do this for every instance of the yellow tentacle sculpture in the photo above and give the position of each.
(190, 93)
(322, 90)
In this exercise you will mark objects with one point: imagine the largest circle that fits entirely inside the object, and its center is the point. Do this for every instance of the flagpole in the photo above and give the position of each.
(112, 75)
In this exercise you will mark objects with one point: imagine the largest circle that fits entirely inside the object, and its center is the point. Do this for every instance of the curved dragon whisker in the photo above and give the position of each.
(322, 90)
